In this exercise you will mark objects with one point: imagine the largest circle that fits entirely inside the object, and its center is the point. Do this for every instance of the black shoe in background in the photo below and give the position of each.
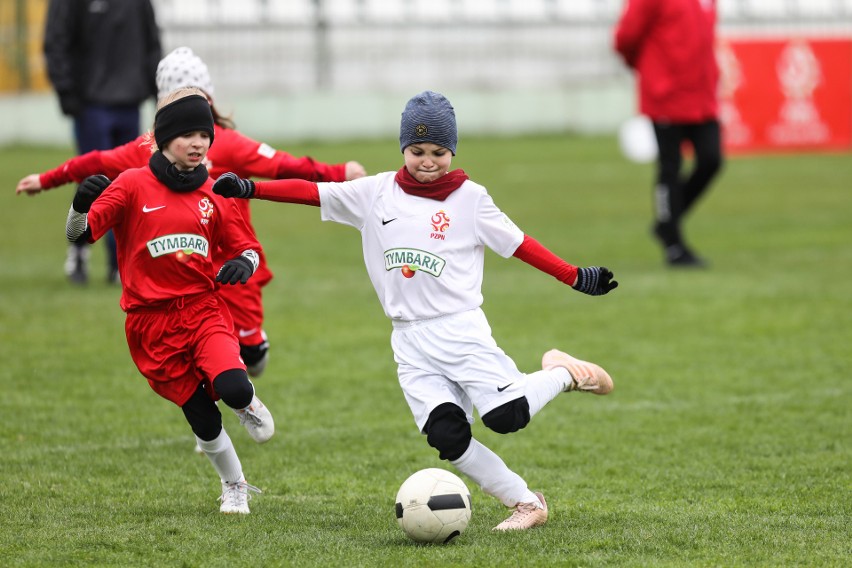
(679, 256)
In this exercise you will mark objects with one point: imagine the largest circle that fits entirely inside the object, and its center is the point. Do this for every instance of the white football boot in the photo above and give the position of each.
(257, 420)
(525, 516)
(587, 377)
(235, 497)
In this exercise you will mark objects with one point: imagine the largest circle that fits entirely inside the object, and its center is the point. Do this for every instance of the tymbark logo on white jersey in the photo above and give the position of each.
(416, 259)
(185, 243)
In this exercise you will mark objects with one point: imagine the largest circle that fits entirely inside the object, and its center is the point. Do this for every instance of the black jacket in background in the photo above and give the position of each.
(101, 52)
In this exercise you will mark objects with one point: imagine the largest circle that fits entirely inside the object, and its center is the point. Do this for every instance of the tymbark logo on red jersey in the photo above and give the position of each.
(184, 243)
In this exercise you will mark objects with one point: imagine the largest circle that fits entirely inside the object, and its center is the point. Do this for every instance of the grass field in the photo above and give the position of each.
(725, 443)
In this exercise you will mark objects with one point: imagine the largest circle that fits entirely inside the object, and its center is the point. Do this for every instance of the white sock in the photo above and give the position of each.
(492, 475)
(544, 386)
(223, 456)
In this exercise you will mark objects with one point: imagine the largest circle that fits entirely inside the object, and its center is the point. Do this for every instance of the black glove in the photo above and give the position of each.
(70, 104)
(235, 270)
(88, 191)
(231, 185)
(594, 281)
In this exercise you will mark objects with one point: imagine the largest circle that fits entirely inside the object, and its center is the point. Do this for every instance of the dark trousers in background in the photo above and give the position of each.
(101, 127)
(676, 193)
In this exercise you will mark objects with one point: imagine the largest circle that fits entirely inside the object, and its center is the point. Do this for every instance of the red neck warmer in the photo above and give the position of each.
(439, 189)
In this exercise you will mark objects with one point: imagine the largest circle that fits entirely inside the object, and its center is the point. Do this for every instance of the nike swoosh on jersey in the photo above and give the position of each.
(146, 209)
(247, 332)
(504, 387)
(388, 221)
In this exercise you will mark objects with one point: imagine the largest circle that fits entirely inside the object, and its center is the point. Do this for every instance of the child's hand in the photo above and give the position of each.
(29, 185)
(594, 281)
(235, 270)
(88, 191)
(354, 170)
(230, 185)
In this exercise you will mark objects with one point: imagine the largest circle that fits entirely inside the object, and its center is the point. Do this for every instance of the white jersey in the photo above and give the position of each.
(424, 257)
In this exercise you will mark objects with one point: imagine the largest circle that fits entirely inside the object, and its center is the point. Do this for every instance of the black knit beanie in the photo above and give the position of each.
(187, 114)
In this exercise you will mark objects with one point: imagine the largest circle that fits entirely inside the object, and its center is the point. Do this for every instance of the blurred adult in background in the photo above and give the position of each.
(670, 45)
(102, 60)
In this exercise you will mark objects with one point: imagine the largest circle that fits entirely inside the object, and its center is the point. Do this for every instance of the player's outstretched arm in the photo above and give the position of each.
(595, 281)
(283, 190)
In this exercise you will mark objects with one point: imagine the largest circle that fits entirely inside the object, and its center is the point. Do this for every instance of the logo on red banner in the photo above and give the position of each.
(790, 94)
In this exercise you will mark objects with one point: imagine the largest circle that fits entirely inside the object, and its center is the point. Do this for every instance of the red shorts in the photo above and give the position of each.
(245, 302)
(187, 342)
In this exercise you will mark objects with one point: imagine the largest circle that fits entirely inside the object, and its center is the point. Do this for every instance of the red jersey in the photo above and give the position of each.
(166, 239)
(670, 44)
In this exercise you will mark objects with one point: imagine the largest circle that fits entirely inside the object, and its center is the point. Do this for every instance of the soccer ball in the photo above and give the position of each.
(637, 140)
(433, 506)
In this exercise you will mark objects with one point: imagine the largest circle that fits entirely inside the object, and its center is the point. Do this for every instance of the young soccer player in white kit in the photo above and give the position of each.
(424, 231)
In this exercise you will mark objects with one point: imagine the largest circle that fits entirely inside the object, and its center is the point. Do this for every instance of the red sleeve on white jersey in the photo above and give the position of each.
(535, 254)
(288, 191)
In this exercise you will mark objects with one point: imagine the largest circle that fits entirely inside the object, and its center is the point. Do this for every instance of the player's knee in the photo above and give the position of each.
(448, 431)
(509, 417)
(203, 415)
(234, 388)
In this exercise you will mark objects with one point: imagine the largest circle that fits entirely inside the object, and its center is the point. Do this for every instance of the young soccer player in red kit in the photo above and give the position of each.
(168, 222)
(234, 152)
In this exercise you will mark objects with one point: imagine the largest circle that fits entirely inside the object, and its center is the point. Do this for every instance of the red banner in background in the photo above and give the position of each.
(786, 94)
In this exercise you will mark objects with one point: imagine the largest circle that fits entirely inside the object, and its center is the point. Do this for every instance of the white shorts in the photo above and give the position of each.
(453, 359)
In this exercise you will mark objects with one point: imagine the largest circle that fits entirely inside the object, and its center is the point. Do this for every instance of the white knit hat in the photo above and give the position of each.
(182, 68)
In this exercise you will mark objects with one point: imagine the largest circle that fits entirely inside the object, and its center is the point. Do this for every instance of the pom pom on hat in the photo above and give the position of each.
(428, 117)
(182, 68)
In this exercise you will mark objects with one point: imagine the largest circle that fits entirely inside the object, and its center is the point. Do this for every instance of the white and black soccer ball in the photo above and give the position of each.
(433, 506)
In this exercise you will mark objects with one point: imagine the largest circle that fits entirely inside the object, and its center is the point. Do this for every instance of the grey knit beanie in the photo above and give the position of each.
(182, 68)
(428, 117)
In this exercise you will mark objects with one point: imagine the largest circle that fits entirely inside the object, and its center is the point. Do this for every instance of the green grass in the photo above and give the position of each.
(725, 443)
